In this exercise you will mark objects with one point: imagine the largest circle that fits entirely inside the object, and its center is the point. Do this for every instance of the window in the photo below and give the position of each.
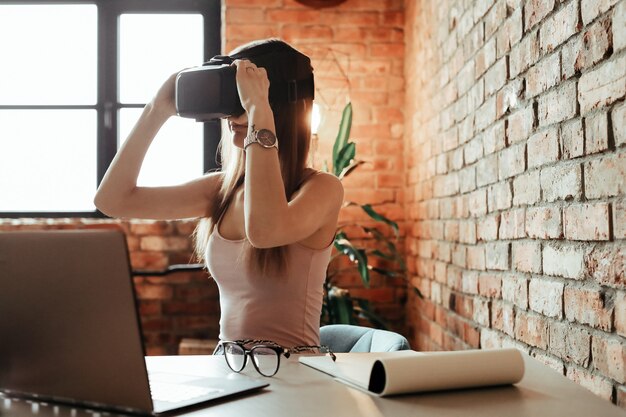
(74, 79)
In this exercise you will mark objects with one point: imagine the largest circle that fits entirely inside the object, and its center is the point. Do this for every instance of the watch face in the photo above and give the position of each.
(266, 137)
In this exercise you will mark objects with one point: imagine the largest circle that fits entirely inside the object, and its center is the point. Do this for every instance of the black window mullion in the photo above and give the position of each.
(107, 85)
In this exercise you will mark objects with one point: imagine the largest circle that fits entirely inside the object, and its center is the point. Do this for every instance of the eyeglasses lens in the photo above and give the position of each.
(265, 359)
(235, 356)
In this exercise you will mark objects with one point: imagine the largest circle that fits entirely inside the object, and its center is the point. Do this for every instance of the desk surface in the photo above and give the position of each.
(298, 390)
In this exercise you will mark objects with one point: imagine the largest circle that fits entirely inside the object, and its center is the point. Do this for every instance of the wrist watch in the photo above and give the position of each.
(263, 137)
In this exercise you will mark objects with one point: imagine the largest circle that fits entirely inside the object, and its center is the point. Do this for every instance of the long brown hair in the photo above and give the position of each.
(293, 129)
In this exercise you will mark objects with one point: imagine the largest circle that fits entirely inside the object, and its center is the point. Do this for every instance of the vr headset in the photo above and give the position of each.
(209, 92)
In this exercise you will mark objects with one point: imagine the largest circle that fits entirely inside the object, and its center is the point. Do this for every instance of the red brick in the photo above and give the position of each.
(241, 15)
(558, 104)
(527, 256)
(387, 50)
(489, 285)
(594, 383)
(618, 119)
(148, 260)
(607, 265)
(590, 9)
(570, 343)
(503, 317)
(549, 360)
(486, 114)
(512, 224)
(485, 57)
(250, 31)
(515, 290)
(620, 313)
(154, 292)
(535, 11)
(510, 33)
(559, 27)
(290, 16)
(565, 260)
(543, 147)
(496, 76)
(524, 54)
(572, 139)
(588, 306)
(544, 222)
(512, 161)
(596, 133)
(469, 282)
(494, 138)
(619, 27)
(495, 18)
(141, 228)
(497, 255)
(487, 228)
(508, 98)
(603, 85)
(546, 297)
(526, 189)
(253, 3)
(158, 243)
(520, 125)
(586, 221)
(490, 339)
(532, 329)
(605, 177)
(487, 170)
(354, 18)
(619, 219)
(561, 183)
(295, 33)
(476, 257)
(499, 196)
(609, 357)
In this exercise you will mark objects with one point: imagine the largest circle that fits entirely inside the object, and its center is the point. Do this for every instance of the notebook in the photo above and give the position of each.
(70, 330)
(407, 371)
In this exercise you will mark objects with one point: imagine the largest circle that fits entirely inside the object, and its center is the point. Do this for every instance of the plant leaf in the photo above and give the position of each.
(344, 158)
(342, 307)
(385, 272)
(347, 170)
(344, 131)
(380, 218)
(356, 255)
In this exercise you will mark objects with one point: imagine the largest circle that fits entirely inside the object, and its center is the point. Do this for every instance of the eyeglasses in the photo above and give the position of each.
(265, 354)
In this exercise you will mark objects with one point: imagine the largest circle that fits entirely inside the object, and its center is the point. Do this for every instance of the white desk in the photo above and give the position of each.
(298, 390)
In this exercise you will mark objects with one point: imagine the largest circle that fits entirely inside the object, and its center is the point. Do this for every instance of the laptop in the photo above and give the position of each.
(70, 330)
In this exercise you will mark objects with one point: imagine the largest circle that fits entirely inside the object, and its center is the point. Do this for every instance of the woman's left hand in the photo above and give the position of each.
(252, 85)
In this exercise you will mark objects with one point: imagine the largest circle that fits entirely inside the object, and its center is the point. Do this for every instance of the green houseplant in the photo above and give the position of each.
(339, 306)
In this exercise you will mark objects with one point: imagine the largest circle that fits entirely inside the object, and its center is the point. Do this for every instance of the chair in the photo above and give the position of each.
(348, 338)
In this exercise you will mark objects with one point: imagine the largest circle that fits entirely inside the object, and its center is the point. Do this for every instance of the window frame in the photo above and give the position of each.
(107, 102)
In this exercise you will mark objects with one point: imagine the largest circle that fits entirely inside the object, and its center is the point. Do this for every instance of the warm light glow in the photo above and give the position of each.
(315, 118)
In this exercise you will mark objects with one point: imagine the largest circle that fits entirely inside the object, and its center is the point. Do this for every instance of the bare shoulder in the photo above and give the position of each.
(324, 184)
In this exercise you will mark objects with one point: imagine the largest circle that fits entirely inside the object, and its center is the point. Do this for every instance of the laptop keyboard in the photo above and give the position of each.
(175, 393)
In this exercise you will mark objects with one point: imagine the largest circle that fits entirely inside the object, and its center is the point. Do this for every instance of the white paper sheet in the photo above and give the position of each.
(390, 373)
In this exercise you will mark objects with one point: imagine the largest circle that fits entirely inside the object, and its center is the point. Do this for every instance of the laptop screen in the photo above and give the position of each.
(68, 319)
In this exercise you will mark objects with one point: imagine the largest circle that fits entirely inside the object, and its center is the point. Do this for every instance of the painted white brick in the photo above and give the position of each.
(564, 261)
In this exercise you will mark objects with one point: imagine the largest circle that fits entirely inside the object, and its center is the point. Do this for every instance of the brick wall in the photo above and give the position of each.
(515, 191)
(357, 51)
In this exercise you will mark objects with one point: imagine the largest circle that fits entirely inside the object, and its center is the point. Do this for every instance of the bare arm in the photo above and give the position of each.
(270, 219)
(119, 195)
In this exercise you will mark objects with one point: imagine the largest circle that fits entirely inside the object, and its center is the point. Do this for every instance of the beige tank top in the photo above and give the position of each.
(285, 309)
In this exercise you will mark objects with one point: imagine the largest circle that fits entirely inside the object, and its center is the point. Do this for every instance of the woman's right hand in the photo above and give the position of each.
(164, 101)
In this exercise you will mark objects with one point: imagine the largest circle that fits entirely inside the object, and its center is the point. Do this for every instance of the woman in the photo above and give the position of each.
(268, 221)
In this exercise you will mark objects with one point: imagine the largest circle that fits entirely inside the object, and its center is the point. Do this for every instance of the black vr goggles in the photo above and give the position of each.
(210, 92)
